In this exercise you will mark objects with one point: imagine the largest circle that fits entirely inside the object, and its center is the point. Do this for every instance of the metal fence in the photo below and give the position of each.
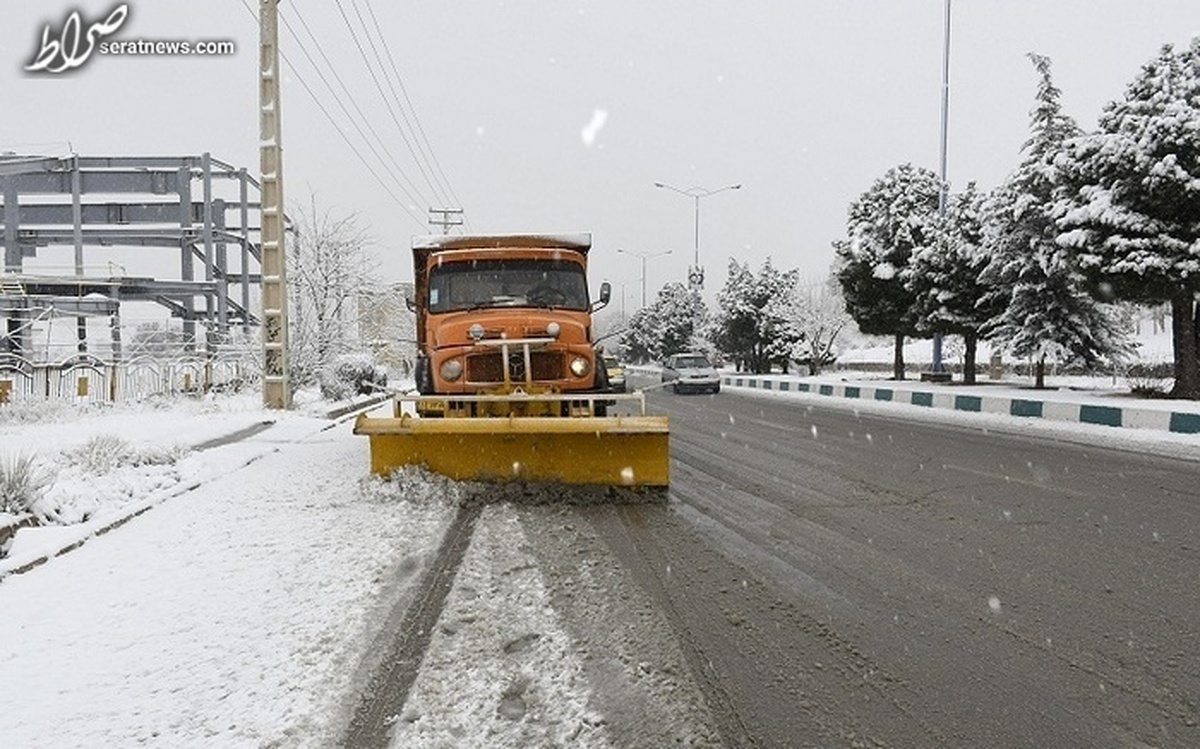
(84, 377)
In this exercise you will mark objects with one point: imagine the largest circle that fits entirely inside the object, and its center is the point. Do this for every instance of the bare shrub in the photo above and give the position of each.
(23, 480)
(101, 454)
(105, 453)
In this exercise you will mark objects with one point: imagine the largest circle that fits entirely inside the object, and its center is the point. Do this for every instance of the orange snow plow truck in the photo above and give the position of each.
(511, 386)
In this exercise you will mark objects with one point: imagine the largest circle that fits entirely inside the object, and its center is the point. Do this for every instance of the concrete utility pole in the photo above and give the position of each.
(276, 375)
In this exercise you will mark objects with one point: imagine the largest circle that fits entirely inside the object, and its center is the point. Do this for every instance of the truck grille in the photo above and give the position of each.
(489, 368)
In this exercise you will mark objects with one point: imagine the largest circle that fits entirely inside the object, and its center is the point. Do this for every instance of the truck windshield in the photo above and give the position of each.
(507, 283)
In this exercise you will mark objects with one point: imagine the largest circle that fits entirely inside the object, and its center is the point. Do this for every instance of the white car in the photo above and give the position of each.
(691, 372)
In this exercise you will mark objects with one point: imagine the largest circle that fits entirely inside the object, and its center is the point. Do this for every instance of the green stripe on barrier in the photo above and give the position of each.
(1025, 408)
(852, 392)
(883, 394)
(1186, 423)
(922, 399)
(1105, 415)
(968, 403)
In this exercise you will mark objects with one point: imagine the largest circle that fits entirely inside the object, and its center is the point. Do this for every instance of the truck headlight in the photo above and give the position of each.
(451, 369)
(580, 366)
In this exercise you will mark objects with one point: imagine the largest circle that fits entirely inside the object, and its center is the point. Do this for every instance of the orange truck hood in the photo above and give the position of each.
(451, 328)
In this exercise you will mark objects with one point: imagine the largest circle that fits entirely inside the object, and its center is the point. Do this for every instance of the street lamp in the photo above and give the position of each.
(696, 273)
(644, 256)
(938, 368)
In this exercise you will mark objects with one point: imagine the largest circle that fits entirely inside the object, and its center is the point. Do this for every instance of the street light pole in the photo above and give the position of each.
(943, 187)
(644, 256)
(696, 273)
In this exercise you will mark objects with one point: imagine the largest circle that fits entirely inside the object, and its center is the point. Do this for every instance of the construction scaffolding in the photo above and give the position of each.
(131, 202)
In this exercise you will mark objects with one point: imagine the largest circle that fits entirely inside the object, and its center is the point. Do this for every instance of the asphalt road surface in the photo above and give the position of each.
(843, 579)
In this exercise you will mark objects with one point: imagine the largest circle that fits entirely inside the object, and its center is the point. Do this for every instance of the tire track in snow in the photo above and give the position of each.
(388, 688)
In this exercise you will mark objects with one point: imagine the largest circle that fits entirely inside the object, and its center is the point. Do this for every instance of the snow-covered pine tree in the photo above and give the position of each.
(777, 328)
(1131, 211)
(944, 276)
(884, 226)
(1049, 314)
(733, 324)
(637, 340)
(664, 328)
(755, 324)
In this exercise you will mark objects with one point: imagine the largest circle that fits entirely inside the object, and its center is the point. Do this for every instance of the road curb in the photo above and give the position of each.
(93, 528)
(1176, 421)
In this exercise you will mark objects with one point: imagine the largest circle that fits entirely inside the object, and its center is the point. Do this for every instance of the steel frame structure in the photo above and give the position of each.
(128, 201)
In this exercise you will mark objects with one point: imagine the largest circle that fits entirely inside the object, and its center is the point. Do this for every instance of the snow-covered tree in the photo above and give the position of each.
(664, 328)
(1131, 211)
(897, 215)
(1048, 312)
(327, 268)
(944, 277)
(755, 324)
(820, 316)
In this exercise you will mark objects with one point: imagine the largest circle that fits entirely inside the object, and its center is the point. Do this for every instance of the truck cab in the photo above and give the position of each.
(499, 314)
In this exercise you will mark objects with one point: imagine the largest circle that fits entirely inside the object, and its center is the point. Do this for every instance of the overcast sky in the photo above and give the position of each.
(561, 115)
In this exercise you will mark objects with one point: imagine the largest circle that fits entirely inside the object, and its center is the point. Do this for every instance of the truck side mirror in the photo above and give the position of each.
(408, 302)
(605, 295)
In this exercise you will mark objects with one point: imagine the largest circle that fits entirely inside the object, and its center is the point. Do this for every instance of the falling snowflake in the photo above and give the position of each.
(592, 129)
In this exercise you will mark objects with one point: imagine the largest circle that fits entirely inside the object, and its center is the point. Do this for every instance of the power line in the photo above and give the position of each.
(379, 87)
(295, 71)
(366, 120)
(400, 81)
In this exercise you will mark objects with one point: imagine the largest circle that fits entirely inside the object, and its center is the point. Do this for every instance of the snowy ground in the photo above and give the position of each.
(234, 614)
(245, 605)
(249, 605)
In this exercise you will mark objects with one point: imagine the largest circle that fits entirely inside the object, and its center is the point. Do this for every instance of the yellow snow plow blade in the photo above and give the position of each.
(624, 450)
